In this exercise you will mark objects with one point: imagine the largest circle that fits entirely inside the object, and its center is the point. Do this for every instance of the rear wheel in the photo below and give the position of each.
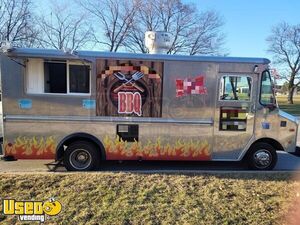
(81, 156)
(261, 156)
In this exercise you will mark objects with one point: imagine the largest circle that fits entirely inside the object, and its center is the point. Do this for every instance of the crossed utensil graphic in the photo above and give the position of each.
(136, 76)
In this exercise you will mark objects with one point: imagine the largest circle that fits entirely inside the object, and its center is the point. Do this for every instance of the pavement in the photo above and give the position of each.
(286, 163)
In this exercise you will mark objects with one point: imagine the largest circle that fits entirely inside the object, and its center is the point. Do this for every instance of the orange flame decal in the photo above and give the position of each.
(117, 149)
(31, 148)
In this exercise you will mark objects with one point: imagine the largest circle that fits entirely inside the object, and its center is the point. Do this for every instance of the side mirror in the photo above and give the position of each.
(271, 106)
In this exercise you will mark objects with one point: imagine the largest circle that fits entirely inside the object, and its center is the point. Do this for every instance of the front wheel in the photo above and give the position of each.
(81, 156)
(261, 156)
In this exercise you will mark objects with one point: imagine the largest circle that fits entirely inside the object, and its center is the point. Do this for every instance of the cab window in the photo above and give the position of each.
(266, 89)
(235, 88)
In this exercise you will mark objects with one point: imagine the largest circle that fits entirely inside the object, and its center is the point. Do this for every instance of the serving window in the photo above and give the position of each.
(57, 77)
(79, 79)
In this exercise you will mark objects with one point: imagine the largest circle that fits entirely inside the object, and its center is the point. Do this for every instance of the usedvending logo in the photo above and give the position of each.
(31, 210)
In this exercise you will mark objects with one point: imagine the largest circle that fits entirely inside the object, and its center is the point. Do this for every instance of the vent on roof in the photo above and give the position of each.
(158, 42)
(6, 46)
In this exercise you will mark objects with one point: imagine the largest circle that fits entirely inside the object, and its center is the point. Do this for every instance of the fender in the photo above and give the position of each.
(77, 137)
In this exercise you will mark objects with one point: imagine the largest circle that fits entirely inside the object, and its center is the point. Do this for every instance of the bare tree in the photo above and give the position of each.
(205, 37)
(16, 24)
(177, 18)
(284, 44)
(64, 29)
(147, 19)
(193, 32)
(114, 19)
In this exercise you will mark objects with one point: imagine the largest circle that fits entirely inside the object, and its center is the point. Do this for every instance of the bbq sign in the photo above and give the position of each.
(129, 102)
(129, 88)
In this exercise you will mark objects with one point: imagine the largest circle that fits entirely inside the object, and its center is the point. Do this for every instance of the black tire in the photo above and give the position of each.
(81, 156)
(261, 156)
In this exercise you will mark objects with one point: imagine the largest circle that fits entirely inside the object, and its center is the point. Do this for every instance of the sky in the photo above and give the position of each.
(249, 22)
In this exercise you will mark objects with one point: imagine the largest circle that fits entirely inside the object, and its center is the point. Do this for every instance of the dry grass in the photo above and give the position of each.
(125, 198)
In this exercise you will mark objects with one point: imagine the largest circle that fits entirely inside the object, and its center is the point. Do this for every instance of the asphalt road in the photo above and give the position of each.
(286, 162)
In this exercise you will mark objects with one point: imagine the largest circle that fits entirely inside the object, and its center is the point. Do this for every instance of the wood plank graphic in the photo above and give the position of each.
(129, 76)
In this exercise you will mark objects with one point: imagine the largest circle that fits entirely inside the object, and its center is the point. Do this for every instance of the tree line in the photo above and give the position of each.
(284, 45)
(111, 25)
(119, 25)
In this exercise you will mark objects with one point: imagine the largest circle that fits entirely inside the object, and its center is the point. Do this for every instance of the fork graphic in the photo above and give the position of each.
(136, 76)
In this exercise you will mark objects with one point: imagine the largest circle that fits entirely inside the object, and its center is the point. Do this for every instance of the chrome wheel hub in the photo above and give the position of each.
(262, 158)
(80, 159)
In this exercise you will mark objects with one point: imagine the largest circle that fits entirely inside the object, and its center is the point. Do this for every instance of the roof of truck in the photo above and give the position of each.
(59, 54)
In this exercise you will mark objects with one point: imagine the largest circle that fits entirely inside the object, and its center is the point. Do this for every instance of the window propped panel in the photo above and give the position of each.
(35, 76)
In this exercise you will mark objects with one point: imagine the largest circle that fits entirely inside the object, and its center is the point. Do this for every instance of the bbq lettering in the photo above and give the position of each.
(129, 102)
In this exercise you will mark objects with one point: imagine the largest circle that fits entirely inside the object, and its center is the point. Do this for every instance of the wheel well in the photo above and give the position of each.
(275, 144)
(78, 137)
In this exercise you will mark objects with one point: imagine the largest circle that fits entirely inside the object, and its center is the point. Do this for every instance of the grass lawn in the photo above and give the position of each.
(126, 198)
(293, 109)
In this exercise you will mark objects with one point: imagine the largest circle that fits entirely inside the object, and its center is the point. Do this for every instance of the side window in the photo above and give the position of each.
(235, 88)
(266, 90)
(79, 78)
(57, 76)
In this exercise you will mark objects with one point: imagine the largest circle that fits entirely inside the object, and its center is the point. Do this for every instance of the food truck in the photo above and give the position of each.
(84, 107)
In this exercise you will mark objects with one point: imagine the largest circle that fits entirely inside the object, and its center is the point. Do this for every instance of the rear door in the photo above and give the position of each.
(234, 115)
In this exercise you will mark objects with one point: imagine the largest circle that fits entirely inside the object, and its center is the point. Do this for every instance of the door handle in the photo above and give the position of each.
(252, 108)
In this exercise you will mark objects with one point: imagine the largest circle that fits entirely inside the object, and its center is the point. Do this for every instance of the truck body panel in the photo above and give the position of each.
(139, 106)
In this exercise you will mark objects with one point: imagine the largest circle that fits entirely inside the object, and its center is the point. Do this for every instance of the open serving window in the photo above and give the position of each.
(57, 77)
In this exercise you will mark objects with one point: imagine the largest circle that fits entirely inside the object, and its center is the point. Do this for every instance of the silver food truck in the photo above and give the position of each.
(84, 107)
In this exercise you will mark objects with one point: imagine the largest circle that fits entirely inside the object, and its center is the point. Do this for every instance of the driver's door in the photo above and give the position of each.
(234, 115)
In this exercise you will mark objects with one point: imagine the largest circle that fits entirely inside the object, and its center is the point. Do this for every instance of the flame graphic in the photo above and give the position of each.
(31, 147)
(117, 149)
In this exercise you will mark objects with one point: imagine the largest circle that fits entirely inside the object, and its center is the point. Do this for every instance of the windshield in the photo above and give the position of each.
(267, 91)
